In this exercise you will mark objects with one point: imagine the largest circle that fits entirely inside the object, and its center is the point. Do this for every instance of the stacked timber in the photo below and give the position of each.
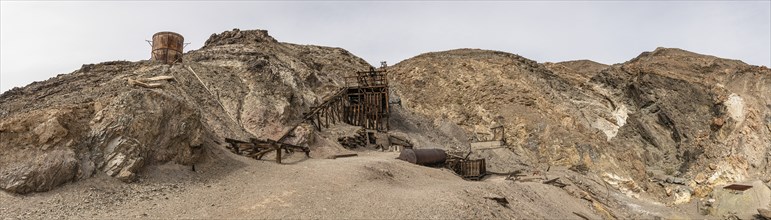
(249, 149)
(358, 140)
(401, 141)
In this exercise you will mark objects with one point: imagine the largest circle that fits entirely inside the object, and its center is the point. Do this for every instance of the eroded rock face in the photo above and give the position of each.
(139, 127)
(475, 89)
(668, 110)
(265, 85)
(37, 149)
(142, 127)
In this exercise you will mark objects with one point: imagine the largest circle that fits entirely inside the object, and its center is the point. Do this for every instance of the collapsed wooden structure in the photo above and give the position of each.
(257, 148)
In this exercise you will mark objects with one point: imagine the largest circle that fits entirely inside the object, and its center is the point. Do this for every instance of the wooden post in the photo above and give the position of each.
(335, 112)
(278, 153)
(373, 110)
(387, 107)
(378, 109)
(337, 109)
(367, 111)
(326, 115)
(318, 121)
(364, 111)
(338, 112)
(321, 119)
(332, 112)
(368, 107)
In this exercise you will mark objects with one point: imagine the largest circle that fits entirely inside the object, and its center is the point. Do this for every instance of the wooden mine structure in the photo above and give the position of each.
(363, 102)
(367, 96)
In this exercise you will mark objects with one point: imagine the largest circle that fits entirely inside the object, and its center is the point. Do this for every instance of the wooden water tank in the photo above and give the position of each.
(167, 47)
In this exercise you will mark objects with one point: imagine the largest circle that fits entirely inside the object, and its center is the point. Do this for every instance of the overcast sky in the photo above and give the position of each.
(39, 40)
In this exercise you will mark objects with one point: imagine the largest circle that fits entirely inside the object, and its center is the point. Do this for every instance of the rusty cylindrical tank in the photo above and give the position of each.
(423, 156)
(167, 47)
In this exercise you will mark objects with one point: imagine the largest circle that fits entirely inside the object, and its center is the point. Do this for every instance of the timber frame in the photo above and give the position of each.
(362, 102)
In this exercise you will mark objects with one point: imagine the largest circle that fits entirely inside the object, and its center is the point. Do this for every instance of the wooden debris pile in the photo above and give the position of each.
(536, 176)
(400, 141)
(358, 140)
(151, 82)
(257, 148)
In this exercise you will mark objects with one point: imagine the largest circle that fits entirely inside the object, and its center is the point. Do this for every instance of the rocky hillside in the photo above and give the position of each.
(632, 140)
(665, 116)
(100, 119)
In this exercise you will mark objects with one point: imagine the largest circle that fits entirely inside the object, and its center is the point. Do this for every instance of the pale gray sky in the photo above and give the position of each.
(39, 40)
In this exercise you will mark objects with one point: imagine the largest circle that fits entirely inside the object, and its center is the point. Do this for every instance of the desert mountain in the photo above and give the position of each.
(669, 112)
(638, 139)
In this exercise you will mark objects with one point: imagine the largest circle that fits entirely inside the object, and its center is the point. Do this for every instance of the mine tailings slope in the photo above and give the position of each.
(240, 84)
(668, 115)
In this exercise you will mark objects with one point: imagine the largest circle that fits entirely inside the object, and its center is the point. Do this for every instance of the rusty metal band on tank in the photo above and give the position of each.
(167, 47)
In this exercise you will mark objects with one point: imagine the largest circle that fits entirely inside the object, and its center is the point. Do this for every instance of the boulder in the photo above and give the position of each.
(43, 173)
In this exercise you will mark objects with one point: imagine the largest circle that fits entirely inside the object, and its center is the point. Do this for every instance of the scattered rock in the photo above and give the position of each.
(675, 180)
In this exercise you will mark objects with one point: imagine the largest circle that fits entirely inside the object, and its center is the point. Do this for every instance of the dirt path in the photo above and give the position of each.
(373, 185)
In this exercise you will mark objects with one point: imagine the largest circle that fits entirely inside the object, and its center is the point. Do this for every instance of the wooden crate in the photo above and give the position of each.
(471, 169)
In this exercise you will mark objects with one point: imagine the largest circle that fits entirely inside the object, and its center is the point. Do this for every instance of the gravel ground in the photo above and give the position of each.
(372, 185)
